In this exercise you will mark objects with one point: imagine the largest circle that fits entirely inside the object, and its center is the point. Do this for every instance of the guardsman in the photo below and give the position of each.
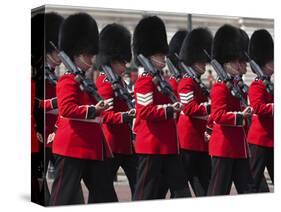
(193, 119)
(228, 147)
(53, 22)
(35, 146)
(52, 25)
(155, 126)
(36, 61)
(115, 52)
(260, 135)
(79, 147)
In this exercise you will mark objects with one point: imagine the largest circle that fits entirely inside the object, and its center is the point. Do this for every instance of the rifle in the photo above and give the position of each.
(259, 72)
(162, 85)
(118, 89)
(85, 84)
(173, 70)
(191, 73)
(227, 79)
(50, 76)
(244, 88)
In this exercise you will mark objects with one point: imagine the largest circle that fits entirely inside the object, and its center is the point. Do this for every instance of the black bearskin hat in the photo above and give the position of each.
(37, 39)
(245, 40)
(176, 44)
(150, 37)
(53, 22)
(228, 44)
(261, 47)
(194, 44)
(114, 44)
(79, 35)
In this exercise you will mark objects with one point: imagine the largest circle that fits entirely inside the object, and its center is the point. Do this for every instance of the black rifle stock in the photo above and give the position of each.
(259, 72)
(173, 70)
(226, 78)
(85, 84)
(244, 88)
(51, 77)
(162, 85)
(191, 73)
(118, 89)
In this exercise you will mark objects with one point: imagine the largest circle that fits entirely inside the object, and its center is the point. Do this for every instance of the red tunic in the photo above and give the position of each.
(261, 131)
(155, 133)
(193, 120)
(51, 118)
(79, 134)
(174, 84)
(116, 131)
(228, 138)
(34, 141)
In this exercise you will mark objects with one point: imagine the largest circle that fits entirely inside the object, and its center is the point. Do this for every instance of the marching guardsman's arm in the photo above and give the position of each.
(109, 115)
(257, 97)
(146, 107)
(219, 112)
(47, 104)
(67, 91)
(191, 106)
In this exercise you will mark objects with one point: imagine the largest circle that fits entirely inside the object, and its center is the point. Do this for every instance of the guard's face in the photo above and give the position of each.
(118, 67)
(199, 67)
(243, 67)
(268, 68)
(53, 59)
(84, 61)
(235, 67)
(158, 60)
(88, 59)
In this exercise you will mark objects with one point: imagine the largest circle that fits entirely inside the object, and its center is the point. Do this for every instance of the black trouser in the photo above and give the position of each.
(79, 197)
(48, 157)
(261, 157)
(68, 175)
(163, 188)
(197, 166)
(35, 175)
(151, 168)
(128, 164)
(228, 170)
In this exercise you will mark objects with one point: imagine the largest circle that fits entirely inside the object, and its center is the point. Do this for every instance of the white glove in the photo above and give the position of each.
(132, 112)
(207, 137)
(51, 138)
(39, 137)
(177, 106)
(248, 111)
